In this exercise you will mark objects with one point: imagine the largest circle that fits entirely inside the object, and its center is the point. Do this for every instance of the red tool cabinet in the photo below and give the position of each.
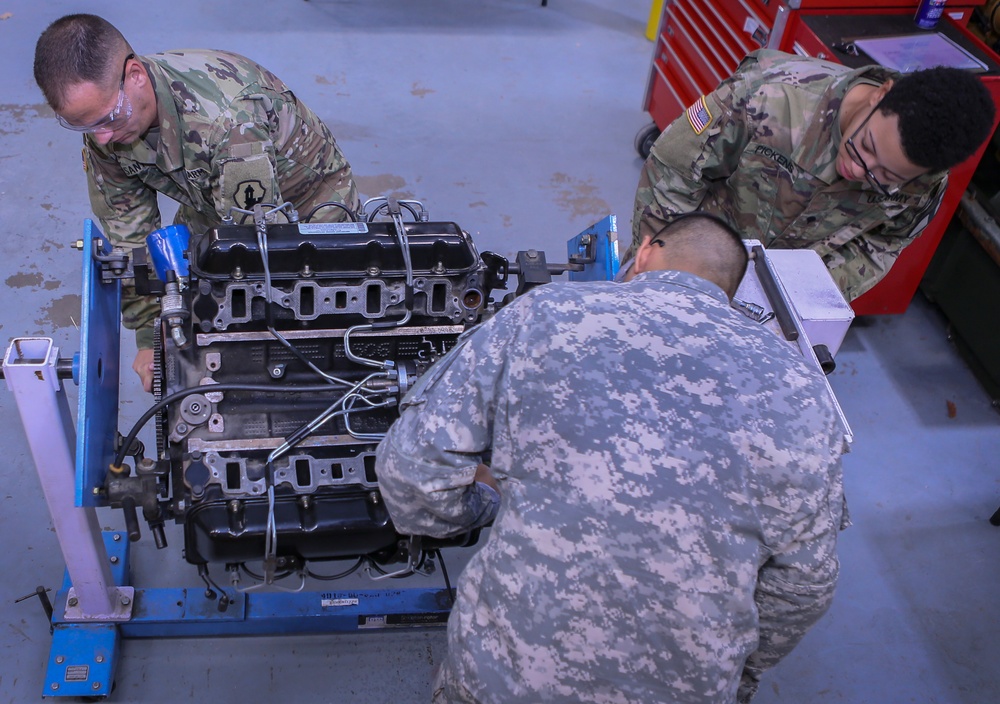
(701, 42)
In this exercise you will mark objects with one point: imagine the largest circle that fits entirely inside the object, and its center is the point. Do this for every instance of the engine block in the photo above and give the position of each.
(280, 359)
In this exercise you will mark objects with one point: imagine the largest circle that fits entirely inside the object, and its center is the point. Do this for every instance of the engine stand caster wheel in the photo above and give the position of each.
(644, 139)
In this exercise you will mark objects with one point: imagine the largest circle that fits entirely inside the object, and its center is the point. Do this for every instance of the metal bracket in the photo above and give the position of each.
(122, 601)
(532, 270)
(596, 249)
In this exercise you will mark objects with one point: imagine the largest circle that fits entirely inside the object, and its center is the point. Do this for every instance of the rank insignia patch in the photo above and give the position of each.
(699, 116)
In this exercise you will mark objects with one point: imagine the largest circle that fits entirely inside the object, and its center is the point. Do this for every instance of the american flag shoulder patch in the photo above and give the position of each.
(699, 115)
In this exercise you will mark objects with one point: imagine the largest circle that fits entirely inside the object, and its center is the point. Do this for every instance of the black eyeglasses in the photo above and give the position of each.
(856, 157)
(121, 113)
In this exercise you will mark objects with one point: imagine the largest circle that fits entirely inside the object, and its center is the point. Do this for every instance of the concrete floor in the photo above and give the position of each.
(516, 122)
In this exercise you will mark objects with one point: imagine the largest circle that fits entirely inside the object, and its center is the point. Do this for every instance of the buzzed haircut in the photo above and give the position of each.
(76, 49)
(945, 115)
(712, 242)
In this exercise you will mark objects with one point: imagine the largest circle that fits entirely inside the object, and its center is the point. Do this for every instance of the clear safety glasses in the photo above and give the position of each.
(116, 118)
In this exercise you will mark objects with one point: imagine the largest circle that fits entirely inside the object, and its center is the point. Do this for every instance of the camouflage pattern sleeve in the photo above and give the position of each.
(269, 148)
(128, 211)
(427, 462)
(795, 586)
(859, 264)
(264, 145)
(243, 157)
(703, 144)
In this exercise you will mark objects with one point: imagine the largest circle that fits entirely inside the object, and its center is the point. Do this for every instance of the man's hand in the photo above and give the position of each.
(484, 475)
(143, 366)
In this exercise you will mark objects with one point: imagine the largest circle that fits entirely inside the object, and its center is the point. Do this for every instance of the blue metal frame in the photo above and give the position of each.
(100, 342)
(606, 264)
(187, 613)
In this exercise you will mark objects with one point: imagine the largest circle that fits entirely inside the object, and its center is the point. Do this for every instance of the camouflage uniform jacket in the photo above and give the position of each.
(761, 150)
(230, 133)
(661, 533)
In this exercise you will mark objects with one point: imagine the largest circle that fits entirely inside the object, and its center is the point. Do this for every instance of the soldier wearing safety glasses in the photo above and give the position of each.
(803, 153)
(209, 129)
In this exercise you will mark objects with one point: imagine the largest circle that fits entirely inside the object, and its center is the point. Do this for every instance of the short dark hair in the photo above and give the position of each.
(76, 49)
(716, 244)
(945, 115)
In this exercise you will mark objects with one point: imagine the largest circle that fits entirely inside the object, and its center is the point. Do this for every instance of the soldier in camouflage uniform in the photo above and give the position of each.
(209, 129)
(662, 536)
(768, 150)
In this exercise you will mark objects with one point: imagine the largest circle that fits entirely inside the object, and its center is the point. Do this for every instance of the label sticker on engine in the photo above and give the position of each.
(332, 228)
(338, 602)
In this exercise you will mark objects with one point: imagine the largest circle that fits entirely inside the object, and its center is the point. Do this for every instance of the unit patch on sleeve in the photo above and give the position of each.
(247, 181)
(249, 193)
(699, 115)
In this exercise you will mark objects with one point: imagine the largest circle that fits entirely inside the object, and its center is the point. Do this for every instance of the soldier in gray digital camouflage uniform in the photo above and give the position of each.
(663, 535)
(798, 152)
(209, 129)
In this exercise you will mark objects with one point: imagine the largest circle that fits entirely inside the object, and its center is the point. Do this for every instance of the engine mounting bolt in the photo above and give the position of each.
(125, 601)
(72, 601)
(117, 537)
(114, 559)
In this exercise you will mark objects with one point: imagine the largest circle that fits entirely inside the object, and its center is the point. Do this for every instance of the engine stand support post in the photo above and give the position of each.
(30, 370)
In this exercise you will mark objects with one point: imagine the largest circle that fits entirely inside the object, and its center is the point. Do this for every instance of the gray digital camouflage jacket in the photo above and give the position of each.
(230, 133)
(671, 495)
(761, 152)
